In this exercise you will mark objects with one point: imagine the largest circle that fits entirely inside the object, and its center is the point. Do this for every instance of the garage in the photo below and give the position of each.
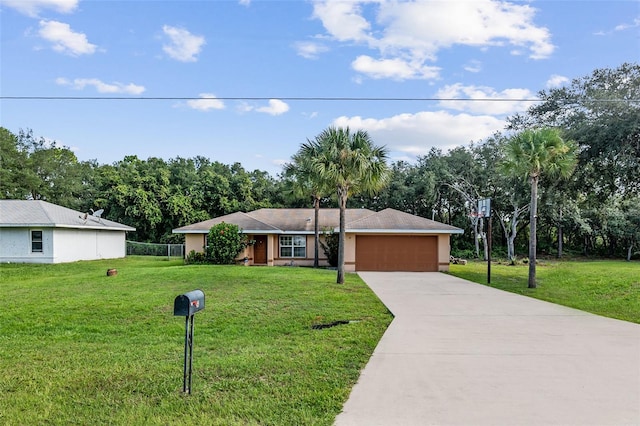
(413, 253)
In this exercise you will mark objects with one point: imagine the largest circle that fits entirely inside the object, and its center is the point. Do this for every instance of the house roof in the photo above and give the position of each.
(394, 220)
(300, 221)
(38, 213)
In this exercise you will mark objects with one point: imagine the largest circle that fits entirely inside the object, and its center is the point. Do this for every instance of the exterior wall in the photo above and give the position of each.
(299, 261)
(61, 245)
(444, 252)
(272, 244)
(71, 245)
(15, 246)
(350, 253)
(194, 242)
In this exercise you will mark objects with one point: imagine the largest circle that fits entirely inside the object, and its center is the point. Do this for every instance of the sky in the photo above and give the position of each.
(249, 81)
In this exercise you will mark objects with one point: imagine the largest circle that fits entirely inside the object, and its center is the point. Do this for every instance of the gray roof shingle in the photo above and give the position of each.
(38, 213)
(270, 221)
(395, 220)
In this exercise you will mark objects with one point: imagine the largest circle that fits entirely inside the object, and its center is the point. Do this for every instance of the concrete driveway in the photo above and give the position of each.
(460, 353)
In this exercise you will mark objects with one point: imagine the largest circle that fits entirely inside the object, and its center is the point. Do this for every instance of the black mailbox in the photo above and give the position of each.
(189, 303)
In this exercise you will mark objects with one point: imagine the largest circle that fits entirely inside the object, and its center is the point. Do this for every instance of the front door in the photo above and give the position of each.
(260, 250)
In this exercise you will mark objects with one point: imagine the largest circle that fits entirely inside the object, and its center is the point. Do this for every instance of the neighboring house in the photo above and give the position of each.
(388, 240)
(40, 232)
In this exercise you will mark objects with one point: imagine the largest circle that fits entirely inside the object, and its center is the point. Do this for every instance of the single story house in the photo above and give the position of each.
(388, 240)
(36, 231)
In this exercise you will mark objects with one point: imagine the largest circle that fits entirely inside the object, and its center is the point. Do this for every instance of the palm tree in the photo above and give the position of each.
(306, 184)
(351, 164)
(530, 154)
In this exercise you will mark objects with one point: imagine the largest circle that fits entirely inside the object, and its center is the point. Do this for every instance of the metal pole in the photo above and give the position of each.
(489, 252)
(186, 347)
(190, 352)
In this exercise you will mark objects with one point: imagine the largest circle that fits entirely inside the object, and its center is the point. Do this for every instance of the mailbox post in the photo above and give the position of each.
(187, 305)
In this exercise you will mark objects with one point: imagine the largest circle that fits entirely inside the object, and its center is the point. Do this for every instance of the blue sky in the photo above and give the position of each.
(232, 73)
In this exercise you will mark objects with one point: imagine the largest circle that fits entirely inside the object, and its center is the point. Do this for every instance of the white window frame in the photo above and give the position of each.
(290, 244)
(33, 240)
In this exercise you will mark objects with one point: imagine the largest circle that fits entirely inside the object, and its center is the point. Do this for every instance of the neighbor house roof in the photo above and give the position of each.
(300, 221)
(38, 213)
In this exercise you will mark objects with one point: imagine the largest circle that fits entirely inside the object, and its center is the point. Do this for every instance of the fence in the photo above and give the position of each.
(135, 248)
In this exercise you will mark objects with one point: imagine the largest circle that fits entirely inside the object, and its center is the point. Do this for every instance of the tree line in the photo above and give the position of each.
(593, 211)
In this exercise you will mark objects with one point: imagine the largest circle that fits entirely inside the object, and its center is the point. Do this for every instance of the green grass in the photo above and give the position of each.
(78, 347)
(608, 288)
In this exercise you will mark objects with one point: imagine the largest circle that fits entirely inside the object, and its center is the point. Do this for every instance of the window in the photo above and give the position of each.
(293, 246)
(36, 241)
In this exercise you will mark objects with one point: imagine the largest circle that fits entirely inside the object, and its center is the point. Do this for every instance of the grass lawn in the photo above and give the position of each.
(78, 347)
(608, 288)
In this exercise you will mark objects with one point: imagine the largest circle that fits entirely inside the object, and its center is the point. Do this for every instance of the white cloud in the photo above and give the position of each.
(276, 107)
(427, 27)
(473, 66)
(101, 87)
(396, 68)
(33, 8)
(245, 2)
(208, 102)
(557, 81)
(414, 32)
(183, 46)
(64, 39)
(310, 49)
(621, 27)
(507, 101)
(415, 134)
(343, 20)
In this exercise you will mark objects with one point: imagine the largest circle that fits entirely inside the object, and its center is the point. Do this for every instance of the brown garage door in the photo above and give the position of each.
(416, 253)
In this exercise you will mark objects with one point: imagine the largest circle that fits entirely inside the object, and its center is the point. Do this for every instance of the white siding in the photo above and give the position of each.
(61, 245)
(74, 244)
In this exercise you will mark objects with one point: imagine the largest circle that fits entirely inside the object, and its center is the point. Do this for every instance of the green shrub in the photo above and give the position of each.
(330, 247)
(224, 243)
(194, 257)
(464, 253)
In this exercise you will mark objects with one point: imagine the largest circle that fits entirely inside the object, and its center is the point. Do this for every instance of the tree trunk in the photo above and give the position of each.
(475, 236)
(342, 196)
(533, 216)
(483, 234)
(316, 231)
(514, 232)
(511, 232)
(629, 251)
(505, 233)
(560, 236)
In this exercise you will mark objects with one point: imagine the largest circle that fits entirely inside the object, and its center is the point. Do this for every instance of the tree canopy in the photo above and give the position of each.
(593, 212)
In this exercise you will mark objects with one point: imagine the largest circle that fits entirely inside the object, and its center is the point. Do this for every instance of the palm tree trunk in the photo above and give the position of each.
(316, 231)
(533, 215)
(342, 195)
(560, 235)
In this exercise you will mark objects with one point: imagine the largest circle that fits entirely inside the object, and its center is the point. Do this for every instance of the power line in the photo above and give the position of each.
(301, 98)
(256, 98)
